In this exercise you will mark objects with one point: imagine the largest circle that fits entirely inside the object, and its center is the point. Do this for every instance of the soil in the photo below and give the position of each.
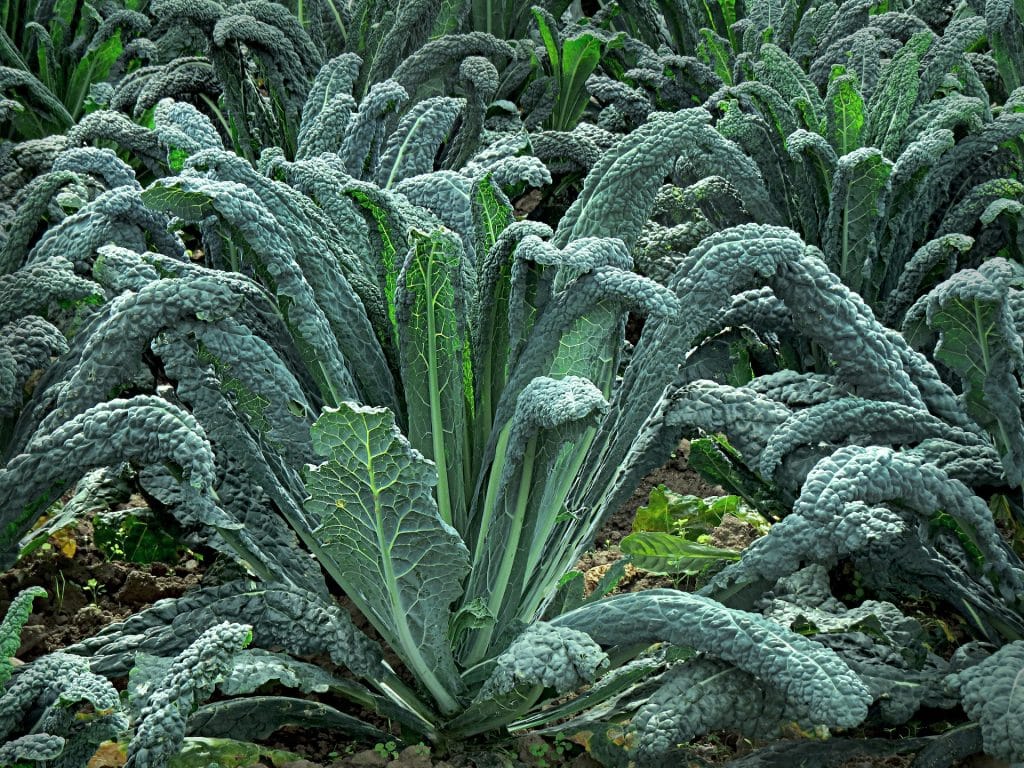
(675, 475)
(87, 591)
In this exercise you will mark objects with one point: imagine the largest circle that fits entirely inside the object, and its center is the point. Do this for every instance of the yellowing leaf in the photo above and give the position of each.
(64, 540)
(109, 754)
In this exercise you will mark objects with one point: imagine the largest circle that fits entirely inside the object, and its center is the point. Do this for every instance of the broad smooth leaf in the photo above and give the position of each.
(666, 553)
(977, 339)
(392, 553)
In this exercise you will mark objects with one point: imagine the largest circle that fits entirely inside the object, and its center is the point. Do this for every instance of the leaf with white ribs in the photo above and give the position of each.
(433, 339)
(383, 540)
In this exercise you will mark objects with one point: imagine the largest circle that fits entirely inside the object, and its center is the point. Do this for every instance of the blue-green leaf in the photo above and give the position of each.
(978, 340)
(433, 342)
(383, 540)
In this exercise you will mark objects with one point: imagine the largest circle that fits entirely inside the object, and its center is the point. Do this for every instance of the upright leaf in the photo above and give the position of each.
(895, 96)
(411, 149)
(435, 366)
(539, 458)
(978, 340)
(844, 112)
(580, 57)
(856, 207)
(490, 322)
(783, 74)
(383, 540)
(1004, 20)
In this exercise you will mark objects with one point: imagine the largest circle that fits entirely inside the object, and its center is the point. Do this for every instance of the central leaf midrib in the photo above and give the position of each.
(398, 614)
(444, 504)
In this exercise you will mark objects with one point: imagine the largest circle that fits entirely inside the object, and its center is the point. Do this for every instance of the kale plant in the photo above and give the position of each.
(53, 54)
(390, 296)
(338, 357)
(67, 711)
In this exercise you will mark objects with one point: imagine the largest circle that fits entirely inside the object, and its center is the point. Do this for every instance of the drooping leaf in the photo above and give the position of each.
(808, 677)
(146, 429)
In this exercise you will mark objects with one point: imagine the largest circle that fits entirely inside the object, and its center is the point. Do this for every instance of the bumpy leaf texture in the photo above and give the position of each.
(144, 429)
(808, 677)
(978, 340)
(993, 695)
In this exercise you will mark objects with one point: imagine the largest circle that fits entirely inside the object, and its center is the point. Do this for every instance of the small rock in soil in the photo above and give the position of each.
(31, 636)
(140, 587)
(417, 756)
(91, 617)
(733, 533)
(111, 575)
(368, 758)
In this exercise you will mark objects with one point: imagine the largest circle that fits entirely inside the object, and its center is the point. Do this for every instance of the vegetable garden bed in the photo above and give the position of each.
(334, 334)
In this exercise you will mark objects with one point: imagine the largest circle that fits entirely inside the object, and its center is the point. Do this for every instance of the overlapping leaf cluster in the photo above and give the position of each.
(284, 263)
